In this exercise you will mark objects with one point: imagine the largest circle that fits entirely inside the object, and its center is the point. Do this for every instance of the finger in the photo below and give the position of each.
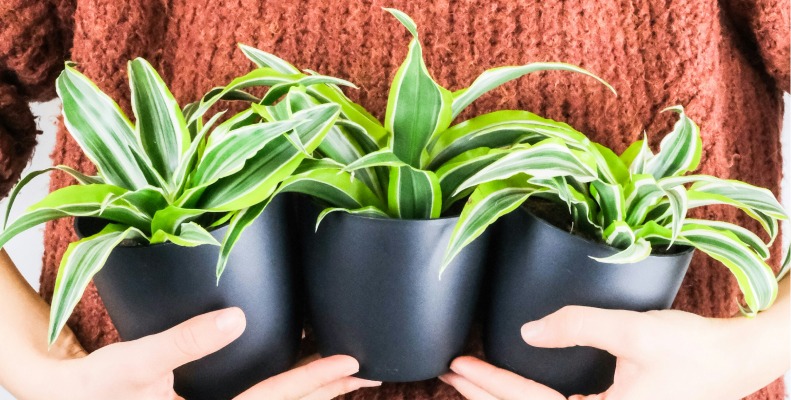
(339, 387)
(501, 383)
(304, 380)
(307, 360)
(465, 387)
(188, 341)
(609, 330)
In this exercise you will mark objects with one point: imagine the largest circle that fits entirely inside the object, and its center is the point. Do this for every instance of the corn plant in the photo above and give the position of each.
(410, 166)
(165, 178)
(638, 203)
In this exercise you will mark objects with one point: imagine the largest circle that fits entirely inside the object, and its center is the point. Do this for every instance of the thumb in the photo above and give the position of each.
(610, 330)
(190, 340)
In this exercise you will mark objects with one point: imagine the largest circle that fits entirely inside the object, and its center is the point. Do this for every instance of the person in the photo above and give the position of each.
(725, 61)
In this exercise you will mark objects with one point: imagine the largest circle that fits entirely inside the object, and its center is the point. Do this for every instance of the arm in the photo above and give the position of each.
(140, 369)
(661, 354)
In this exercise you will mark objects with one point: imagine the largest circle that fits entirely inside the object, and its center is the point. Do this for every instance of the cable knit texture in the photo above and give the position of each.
(725, 61)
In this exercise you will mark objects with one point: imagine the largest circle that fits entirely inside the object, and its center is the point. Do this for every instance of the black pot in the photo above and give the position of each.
(538, 269)
(374, 292)
(148, 289)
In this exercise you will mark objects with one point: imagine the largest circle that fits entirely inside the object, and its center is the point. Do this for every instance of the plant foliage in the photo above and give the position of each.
(169, 177)
(638, 202)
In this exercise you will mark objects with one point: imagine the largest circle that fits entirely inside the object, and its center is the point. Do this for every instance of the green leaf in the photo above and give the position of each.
(79, 176)
(417, 107)
(275, 162)
(495, 77)
(638, 251)
(333, 186)
(637, 156)
(680, 150)
(414, 194)
(160, 126)
(101, 129)
(190, 157)
(677, 198)
(169, 220)
(642, 194)
(239, 222)
(81, 261)
(190, 235)
(580, 205)
(745, 236)
(500, 129)
(381, 158)
(369, 211)
(611, 202)
(487, 204)
(228, 155)
(611, 168)
(619, 235)
(461, 168)
(755, 278)
(546, 159)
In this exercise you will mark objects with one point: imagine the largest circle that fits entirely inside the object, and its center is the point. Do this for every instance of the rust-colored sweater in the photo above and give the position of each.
(726, 61)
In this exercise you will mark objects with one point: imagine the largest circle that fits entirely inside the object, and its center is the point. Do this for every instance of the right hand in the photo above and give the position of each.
(143, 368)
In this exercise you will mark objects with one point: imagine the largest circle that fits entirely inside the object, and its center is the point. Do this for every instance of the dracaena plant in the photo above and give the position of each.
(410, 166)
(638, 203)
(165, 178)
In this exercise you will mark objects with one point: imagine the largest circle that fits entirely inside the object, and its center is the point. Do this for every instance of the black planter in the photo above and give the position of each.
(148, 289)
(538, 269)
(373, 292)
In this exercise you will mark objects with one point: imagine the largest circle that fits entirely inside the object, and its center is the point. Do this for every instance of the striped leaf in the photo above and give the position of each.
(81, 261)
(611, 168)
(487, 204)
(637, 155)
(259, 77)
(493, 78)
(381, 158)
(333, 186)
(160, 125)
(581, 206)
(677, 198)
(611, 200)
(190, 157)
(417, 107)
(461, 168)
(190, 235)
(698, 198)
(745, 236)
(755, 278)
(228, 156)
(79, 176)
(500, 129)
(101, 129)
(546, 159)
(370, 211)
(642, 194)
(171, 218)
(79, 200)
(680, 149)
(272, 164)
(619, 235)
(414, 194)
(239, 222)
(638, 251)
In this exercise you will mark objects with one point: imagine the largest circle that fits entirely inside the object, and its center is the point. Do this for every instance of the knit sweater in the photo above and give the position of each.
(726, 61)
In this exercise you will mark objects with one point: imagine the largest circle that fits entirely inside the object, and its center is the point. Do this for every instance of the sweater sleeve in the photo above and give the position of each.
(766, 24)
(35, 36)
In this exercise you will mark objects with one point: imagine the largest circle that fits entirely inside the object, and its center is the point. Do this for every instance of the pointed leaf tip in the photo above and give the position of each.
(404, 19)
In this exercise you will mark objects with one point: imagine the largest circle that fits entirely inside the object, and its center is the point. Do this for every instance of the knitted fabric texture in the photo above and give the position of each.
(726, 62)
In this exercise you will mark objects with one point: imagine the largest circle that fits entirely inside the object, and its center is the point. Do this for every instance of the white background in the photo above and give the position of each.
(27, 249)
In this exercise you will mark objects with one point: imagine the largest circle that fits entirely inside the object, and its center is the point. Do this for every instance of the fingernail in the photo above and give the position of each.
(442, 378)
(229, 320)
(367, 383)
(457, 367)
(351, 368)
(533, 330)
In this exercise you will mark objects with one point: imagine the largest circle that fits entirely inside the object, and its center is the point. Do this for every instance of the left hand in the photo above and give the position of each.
(661, 355)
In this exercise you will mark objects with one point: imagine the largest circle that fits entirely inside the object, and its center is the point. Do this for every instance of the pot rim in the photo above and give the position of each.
(684, 250)
(316, 204)
(129, 243)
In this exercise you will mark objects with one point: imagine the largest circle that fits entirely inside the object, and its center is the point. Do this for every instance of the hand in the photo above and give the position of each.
(661, 355)
(143, 369)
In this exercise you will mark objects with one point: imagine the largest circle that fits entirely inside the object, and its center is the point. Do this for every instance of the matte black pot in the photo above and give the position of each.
(148, 289)
(538, 269)
(373, 292)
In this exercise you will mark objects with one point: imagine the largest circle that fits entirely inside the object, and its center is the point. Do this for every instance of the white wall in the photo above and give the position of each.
(26, 249)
